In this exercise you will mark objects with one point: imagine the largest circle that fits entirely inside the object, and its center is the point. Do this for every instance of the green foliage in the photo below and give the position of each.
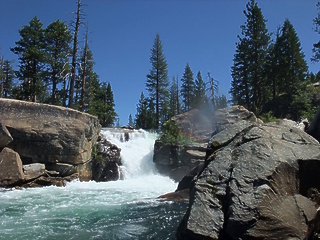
(57, 38)
(270, 78)
(170, 133)
(187, 88)
(174, 101)
(157, 82)
(30, 49)
(145, 116)
(268, 117)
(200, 98)
(249, 60)
(6, 75)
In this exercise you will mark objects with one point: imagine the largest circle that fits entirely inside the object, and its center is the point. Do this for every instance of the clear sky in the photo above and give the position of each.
(200, 32)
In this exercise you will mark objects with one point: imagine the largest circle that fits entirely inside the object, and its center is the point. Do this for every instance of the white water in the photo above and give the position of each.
(124, 209)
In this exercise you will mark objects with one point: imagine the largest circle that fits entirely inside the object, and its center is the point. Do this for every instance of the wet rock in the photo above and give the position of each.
(259, 181)
(10, 168)
(34, 170)
(106, 161)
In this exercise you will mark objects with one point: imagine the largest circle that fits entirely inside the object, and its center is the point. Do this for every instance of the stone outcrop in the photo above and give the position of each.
(196, 128)
(55, 136)
(106, 161)
(11, 171)
(175, 160)
(5, 136)
(259, 181)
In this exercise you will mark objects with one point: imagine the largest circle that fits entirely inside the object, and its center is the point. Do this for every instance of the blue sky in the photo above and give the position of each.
(121, 34)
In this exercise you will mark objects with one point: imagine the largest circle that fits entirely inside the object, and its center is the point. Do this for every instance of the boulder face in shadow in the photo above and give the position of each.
(259, 181)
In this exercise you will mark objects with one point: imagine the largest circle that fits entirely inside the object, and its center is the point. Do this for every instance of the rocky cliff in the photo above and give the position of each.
(259, 181)
(59, 139)
(194, 129)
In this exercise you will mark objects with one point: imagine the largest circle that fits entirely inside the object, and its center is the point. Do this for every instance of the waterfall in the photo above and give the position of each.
(123, 209)
(136, 151)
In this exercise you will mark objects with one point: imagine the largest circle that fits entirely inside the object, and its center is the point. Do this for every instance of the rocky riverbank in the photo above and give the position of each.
(47, 145)
(258, 181)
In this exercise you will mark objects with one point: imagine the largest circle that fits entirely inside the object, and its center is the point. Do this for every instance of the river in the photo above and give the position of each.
(123, 209)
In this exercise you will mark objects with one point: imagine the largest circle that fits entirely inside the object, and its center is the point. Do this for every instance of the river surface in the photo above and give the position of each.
(123, 209)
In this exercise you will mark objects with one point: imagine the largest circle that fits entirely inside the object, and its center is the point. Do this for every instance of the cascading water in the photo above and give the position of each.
(124, 209)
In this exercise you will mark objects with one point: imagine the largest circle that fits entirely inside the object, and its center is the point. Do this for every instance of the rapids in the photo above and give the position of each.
(123, 209)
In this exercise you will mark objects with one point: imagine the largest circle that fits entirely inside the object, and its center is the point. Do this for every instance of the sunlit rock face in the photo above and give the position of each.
(50, 135)
(259, 181)
(196, 128)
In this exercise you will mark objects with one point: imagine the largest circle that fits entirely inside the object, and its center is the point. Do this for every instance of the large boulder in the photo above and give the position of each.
(11, 171)
(106, 162)
(259, 181)
(176, 160)
(195, 127)
(5, 136)
(50, 134)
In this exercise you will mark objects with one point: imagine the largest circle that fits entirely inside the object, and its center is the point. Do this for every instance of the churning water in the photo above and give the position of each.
(124, 209)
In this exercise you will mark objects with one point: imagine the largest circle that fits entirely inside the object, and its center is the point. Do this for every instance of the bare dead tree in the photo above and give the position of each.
(84, 73)
(74, 53)
(213, 87)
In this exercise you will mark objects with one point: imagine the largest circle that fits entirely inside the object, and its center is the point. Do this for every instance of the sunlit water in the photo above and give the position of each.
(124, 209)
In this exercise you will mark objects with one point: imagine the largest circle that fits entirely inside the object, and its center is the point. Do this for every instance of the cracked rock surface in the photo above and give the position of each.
(260, 181)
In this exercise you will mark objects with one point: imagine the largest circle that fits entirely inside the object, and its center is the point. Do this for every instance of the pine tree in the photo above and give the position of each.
(157, 81)
(174, 102)
(316, 46)
(141, 118)
(102, 104)
(6, 79)
(240, 85)
(250, 58)
(130, 122)
(187, 88)
(30, 49)
(200, 91)
(291, 73)
(57, 39)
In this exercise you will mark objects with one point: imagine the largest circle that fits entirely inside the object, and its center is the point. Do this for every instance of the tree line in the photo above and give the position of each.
(54, 70)
(166, 99)
(270, 76)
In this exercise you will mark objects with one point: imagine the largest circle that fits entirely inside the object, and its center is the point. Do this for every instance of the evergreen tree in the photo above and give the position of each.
(141, 118)
(250, 58)
(316, 46)
(7, 77)
(57, 40)
(291, 74)
(130, 123)
(87, 83)
(187, 88)
(157, 81)
(220, 102)
(30, 49)
(240, 85)
(102, 105)
(174, 103)
(200, 91)
(110, 106)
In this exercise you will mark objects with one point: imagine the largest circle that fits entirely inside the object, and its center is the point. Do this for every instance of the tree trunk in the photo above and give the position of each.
(84, 74)
(74, 56)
